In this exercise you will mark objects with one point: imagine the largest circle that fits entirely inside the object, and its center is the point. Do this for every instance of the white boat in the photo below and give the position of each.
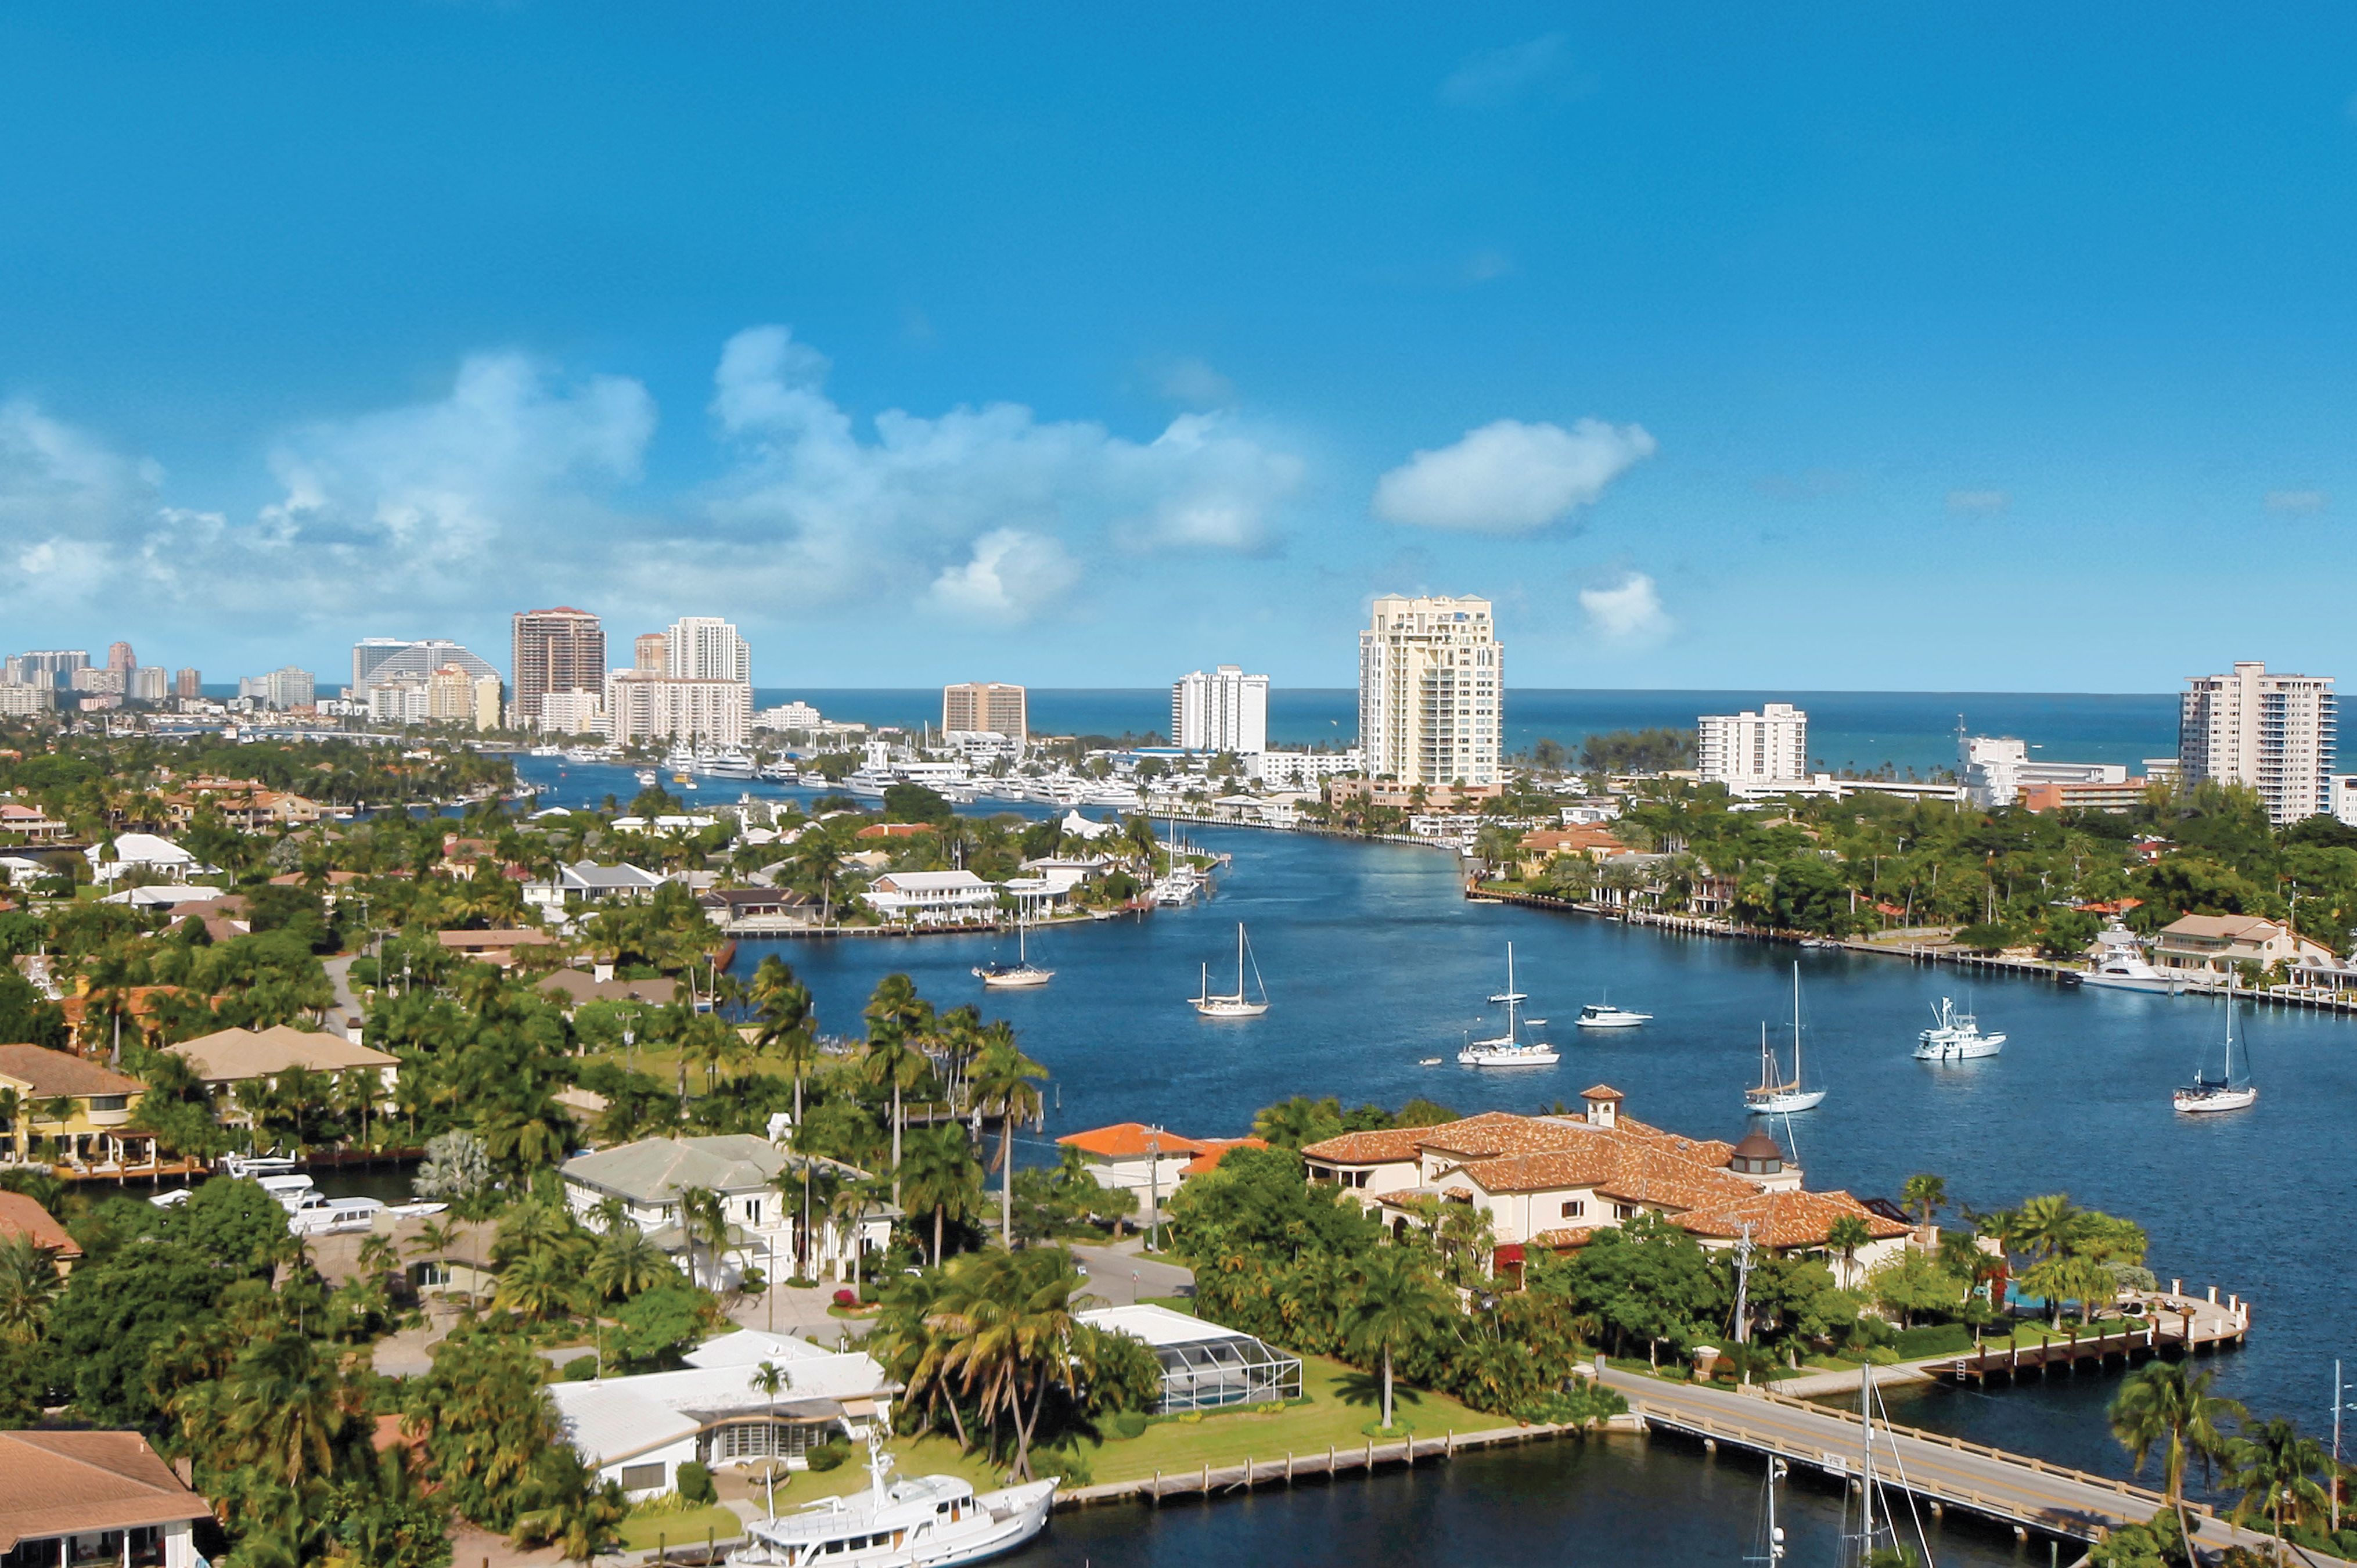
(2226, 1091)
(335, 1216)
(1604, 1015)
(647, 778)
(239, 1166)
(729, 764)
(926, 1521)
(2120, 964)
(1509, 1049)
(1777, 1095)
(1956, 1037)
(1236, 1004)
(1019, 975)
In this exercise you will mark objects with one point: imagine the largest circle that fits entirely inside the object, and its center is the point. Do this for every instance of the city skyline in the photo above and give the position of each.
(1652, 331)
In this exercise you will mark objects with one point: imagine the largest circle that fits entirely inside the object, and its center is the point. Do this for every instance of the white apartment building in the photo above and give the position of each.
(640, 706)
(789, 716)
(2344, 798)
(23, 702)
(573, 713)
(1280, 769)
(705, 648)
(1996, 768)
(287, 687)
(1768, 747)
(1226, 710)
(150, 684)
(50, 667)
(405, 700)
(1432, 687)
(2273, 733)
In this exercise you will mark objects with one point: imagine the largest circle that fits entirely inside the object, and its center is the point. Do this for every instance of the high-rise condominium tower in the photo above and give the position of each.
(1432, 686)
(1768, 747)
(985, 707)
(120, 657)
(650, 653)
(705, 648)
(1226, 710)
(189, 682)
(563, 649)
(2273, 733)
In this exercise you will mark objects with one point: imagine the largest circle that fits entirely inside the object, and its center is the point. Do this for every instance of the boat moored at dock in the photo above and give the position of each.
(925, 1521)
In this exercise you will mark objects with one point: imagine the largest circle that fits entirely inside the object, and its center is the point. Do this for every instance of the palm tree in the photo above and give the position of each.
(819, 864)
(287, 1409)
(941, 1176)
(625, 1262)
(1005, 1083)
(28, 1283)
(2162, 1406)
(1846, 1235)
(1392, 1302)
(539, 1284)
(2047, 1226)
(770, 1378)
(2276, 1467)
(897, 1020)
(1926, 1195)
(704, 1217)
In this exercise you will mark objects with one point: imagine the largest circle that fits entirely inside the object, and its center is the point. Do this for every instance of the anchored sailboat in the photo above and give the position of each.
(1777, 1095)
(1236, 1004)
(1509, 1049)
(1017, 975)
(2226, 1091)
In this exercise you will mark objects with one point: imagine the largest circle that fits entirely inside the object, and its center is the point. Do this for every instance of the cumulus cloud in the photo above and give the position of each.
(68, 506)
(1511, 478)
(926, 495)
(1630, 611)
(1985, 503)
(1494, 78)
(1194, 382)
(2299, 501)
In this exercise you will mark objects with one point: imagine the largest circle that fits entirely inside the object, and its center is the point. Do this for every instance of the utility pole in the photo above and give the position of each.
(1154, 1192)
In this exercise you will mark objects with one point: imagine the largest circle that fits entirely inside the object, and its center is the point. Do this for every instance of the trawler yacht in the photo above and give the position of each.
(926, 1521)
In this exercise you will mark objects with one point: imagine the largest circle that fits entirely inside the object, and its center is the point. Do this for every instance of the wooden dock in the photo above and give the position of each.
(1217, 1480)
(2175, 1324)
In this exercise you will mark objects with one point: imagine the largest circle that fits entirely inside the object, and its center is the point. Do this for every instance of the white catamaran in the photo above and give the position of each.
(1237, 1003)
(927, 1521)
(2227, 1091)
(1509, 1049)
(1777, 1095)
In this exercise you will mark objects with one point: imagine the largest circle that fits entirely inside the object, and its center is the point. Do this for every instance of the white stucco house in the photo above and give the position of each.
(647, 1178)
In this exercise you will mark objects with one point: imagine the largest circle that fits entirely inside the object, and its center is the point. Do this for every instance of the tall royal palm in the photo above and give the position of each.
(2163, 1407)
(1393, 1300)
(898, 1021)
(1005, 1085)
(786, 1030)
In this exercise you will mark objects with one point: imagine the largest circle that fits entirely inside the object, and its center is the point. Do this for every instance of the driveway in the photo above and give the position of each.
(1119, 1276)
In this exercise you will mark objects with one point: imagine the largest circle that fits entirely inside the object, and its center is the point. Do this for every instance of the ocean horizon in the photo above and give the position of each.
(1853, 731)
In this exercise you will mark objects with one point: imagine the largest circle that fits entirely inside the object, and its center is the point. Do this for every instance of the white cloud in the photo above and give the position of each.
(1630, 611)
(1494, 78)
(1986, 503)
(1011, 575)
(2298, 501)
(1194, 382)
(1511, 478)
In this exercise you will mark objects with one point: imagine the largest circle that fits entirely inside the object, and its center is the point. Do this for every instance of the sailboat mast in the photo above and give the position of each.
(1866, 1462)
(1512, 1037)
(1796, 1023)
(1240, 954)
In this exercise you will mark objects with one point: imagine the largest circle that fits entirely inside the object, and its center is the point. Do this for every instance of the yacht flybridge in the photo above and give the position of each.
(927, 1521)
(1956, 1037)
(1236, 1004)
(1509, 1049)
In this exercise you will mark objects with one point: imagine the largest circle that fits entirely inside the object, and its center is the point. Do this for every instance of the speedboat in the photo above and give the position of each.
(1955, 1037)
(925, 1521)
(1509, 1049)
(1604, 1015)
(2121, 965)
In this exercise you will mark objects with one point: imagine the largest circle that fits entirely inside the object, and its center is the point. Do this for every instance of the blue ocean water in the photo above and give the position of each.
(1852, 730)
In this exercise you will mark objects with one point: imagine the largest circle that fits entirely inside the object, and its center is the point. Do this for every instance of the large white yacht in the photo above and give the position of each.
(927, 1521)
(2121, 965)
(1955, 1037)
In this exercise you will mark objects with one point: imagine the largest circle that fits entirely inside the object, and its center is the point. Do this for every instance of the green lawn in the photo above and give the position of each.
(640, 1533)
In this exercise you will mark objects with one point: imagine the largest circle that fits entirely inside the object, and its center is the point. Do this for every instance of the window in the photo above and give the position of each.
(643, 1478)
(109, 1101)
(752, 1211)
(1572, 1208)
(1624, 1211)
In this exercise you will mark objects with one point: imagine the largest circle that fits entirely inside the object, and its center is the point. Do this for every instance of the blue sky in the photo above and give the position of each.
(1844, 347)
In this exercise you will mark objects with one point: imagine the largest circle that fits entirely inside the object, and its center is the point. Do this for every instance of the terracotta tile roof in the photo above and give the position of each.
(1495, 1134)
(228, 1056)
(67, 1482)
(1579, 837)
(1217, 1149)
(47, 1073)
(1393, 1145)
(138, 1001)
(1601, 1091)
(1565, 1239)
(20, 1216)
(1788, 1219)
(1129, 1141)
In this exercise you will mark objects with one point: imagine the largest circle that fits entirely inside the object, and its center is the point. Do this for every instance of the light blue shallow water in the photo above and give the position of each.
(1375, 961)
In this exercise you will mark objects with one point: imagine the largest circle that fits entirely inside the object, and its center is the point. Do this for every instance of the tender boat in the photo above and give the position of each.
(1955, 1037)
(2120, 964)
(1604, 1015)
(1777, 1095)
(926, 1521)
(1236, 1004)
(2227, 1091)
(1019, 975)
(1509, 1049)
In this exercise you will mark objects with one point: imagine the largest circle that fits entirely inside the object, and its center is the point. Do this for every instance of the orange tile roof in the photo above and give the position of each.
(1788, 1219)
(1129, 1141)
(1565, 1238)
(1392, 1145)
(1217, 1149)
(47, 1073)
(20, 1216)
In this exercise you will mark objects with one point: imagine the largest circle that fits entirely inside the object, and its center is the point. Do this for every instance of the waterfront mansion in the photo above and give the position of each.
(1550, 1182)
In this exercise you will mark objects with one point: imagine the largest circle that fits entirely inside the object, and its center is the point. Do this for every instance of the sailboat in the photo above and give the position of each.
(2225, 1092)
(1013, 976)
(1777, 1095)
(1767, 1550)
(1236, 1004)
(1509, 1049)
(1878, 1539)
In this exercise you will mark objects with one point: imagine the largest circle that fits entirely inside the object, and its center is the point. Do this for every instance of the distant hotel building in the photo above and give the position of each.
(188, 683)
(1432, 686)
(980, 707)
(1226, 710)
(1766, 747)
(560, 650)
(150, 684)
(701, 690)
(2273, 733)
(376, 660)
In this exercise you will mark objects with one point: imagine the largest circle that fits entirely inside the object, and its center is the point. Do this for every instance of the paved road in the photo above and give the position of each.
(1119, 1276)
(2050, 1499)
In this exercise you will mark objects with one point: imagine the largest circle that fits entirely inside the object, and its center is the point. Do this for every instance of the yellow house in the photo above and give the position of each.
(79, 1109)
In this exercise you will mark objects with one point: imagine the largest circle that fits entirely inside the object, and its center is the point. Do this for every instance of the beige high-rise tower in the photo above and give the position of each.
(2273, 733)
(1432, 691)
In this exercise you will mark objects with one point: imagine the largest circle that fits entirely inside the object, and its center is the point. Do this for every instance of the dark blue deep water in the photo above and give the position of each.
(1375, 961)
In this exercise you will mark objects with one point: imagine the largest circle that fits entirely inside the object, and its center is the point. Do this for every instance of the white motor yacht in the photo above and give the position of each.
(334, 1216)
(1509, 1049)
(1604, 1015)
(1955, 1037)
(258, 1165)
(926, 1521)
(729, 764)
(2121, 965)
